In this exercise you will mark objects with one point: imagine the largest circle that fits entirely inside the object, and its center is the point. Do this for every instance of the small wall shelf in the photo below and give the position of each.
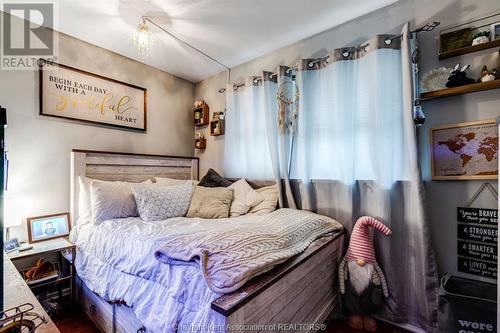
(200, 115)
(469, 88)
(469, 49)
(200, 143)
(217, 124)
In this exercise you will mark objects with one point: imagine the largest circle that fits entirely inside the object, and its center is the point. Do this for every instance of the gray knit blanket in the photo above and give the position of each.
(232, 251)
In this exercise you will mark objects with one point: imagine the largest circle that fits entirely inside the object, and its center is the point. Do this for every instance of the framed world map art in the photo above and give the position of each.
(465, 151)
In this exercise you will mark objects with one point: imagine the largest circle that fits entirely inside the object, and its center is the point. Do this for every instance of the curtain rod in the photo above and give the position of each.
(427, 27)
(147, 18)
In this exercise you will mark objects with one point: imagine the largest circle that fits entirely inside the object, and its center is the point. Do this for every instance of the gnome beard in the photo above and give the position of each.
(360, 276)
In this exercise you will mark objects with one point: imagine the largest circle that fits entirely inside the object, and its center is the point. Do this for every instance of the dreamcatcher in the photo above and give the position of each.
(288, 106)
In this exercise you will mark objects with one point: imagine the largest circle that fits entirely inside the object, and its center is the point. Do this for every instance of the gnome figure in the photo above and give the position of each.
(361, 280)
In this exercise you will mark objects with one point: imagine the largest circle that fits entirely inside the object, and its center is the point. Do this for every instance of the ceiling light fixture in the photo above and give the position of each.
(143, 38)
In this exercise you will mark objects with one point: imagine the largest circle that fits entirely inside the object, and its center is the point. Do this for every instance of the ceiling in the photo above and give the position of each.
(231, 31)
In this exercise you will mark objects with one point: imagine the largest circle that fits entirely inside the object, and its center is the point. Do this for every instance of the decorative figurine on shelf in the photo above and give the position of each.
(458, 77)
(481, 38)
(435, 79)
(361, 280)
(487, 75)
(198, 103)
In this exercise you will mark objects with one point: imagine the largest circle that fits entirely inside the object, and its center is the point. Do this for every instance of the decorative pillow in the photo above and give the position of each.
(111, 200)
(84, 205)
(158, 202)
(173, 181)
(270, 194)
(245, 198)
(210, 203)
(213, 179)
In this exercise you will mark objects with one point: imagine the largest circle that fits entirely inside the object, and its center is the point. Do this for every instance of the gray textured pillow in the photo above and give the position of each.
(111, 200)
(210, 202)
(157, 202)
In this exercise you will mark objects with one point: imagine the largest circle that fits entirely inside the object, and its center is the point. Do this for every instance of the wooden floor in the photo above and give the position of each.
(74, 320)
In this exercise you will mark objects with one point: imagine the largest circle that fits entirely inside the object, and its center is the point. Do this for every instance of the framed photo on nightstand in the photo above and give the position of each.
(45, 227)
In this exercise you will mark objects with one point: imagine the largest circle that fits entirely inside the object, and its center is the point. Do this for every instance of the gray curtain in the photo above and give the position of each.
(356, 98)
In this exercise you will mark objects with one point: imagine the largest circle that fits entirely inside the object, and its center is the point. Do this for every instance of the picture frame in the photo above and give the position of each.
(464, 151)
(42, 228)
(71, 93)
(11, 245)
(495, 31)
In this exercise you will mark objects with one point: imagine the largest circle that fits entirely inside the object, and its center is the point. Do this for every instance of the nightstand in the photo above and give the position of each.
(45, 249)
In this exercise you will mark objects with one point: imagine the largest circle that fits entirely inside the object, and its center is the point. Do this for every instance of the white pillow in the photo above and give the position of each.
(173, 181)
(270, 194)
(84, 204)
(111, 200)
(245, 198)
(158, 202)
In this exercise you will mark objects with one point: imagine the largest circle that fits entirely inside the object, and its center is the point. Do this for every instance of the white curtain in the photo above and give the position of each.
(351, 125)
(246, 147)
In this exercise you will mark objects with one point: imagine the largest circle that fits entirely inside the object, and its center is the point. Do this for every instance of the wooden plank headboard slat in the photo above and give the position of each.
(112, 166)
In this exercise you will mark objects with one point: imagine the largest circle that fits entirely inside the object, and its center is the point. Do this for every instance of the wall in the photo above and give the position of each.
(442, 197)
(39, 147)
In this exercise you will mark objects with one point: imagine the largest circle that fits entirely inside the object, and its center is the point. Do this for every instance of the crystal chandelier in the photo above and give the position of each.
(143, 38)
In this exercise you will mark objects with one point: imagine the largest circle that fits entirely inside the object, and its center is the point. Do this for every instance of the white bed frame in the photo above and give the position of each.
(302, 290)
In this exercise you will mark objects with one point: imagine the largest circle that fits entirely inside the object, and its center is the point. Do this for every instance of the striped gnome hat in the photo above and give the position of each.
(361, 244)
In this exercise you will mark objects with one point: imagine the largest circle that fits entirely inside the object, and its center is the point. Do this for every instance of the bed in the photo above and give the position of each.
(128, 293)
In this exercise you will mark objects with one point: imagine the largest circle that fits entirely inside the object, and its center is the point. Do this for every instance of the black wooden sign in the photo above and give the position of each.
(484, 269)
(477, 233)
(477, 215)
(477, 250)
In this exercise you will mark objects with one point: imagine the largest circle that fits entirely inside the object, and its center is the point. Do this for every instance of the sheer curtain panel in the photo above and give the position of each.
(246, 146)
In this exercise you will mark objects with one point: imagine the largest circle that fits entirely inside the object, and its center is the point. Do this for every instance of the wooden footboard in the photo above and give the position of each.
(297, 295)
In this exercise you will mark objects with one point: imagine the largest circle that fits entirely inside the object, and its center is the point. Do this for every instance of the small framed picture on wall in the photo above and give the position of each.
(46, 227)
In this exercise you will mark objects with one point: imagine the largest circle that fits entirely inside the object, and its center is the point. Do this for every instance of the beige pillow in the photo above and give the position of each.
(210, 202)
(270, 194)
(245, 198)
(173, 181)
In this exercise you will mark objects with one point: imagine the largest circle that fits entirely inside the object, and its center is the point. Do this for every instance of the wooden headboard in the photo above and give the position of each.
(114, 166)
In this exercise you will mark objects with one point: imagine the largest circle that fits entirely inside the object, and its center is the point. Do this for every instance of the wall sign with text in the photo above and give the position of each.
(477, 215)
(477, 250)
(71, 93)
(477, 235)
(476, 267)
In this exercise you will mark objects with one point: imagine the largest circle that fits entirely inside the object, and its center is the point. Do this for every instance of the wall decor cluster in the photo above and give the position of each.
(71, 93)
(465, 151)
